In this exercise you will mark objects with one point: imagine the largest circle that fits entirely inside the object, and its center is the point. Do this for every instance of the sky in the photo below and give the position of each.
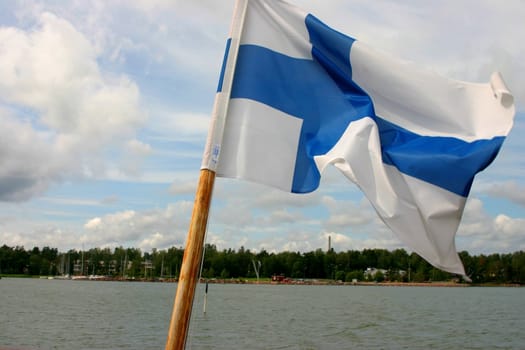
(105, 107)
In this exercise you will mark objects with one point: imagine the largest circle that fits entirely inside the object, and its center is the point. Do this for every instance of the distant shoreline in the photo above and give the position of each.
(286, 282)
(367, 284)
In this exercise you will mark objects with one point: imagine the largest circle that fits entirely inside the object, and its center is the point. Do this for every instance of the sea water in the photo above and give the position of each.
(66, 314)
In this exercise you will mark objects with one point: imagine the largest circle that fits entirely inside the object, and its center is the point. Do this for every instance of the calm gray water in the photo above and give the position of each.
(55, 314)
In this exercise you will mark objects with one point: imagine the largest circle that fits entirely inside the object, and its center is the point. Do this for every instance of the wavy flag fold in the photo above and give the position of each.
(304, 96)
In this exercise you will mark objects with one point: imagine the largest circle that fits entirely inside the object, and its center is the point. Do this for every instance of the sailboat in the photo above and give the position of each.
(81, 276)
(63, 269)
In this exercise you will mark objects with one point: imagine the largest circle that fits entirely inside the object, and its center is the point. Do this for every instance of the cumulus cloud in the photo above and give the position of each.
(180, 187)
(510, 190)
(341, 242)
(346, 214)
(59, 112)
(27, 165)
(282, 216)
(159, 228)
(93, 223)
(264, 197)
(480, 232)
(135, 153)
(40, 236)
(234, 214)
(183, 124)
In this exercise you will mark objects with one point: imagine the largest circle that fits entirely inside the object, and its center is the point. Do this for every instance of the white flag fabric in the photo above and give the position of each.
(305, 96)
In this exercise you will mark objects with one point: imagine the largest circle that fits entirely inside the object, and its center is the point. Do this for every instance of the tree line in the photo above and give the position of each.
(396, 265)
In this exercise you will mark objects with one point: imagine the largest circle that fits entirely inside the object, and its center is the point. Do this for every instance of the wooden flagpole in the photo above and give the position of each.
(180, 318)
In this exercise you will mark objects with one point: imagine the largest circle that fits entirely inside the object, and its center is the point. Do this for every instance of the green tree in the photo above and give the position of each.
(35, 262)
(518, 267)
(340, 275)
(384, 259)
(379, 276)
(225, 274)
(369, 258)
(355, 274)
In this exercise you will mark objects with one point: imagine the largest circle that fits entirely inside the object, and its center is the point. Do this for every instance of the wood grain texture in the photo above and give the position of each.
(180, 317)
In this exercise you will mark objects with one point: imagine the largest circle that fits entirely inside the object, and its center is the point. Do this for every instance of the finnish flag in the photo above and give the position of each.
(304, 96)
